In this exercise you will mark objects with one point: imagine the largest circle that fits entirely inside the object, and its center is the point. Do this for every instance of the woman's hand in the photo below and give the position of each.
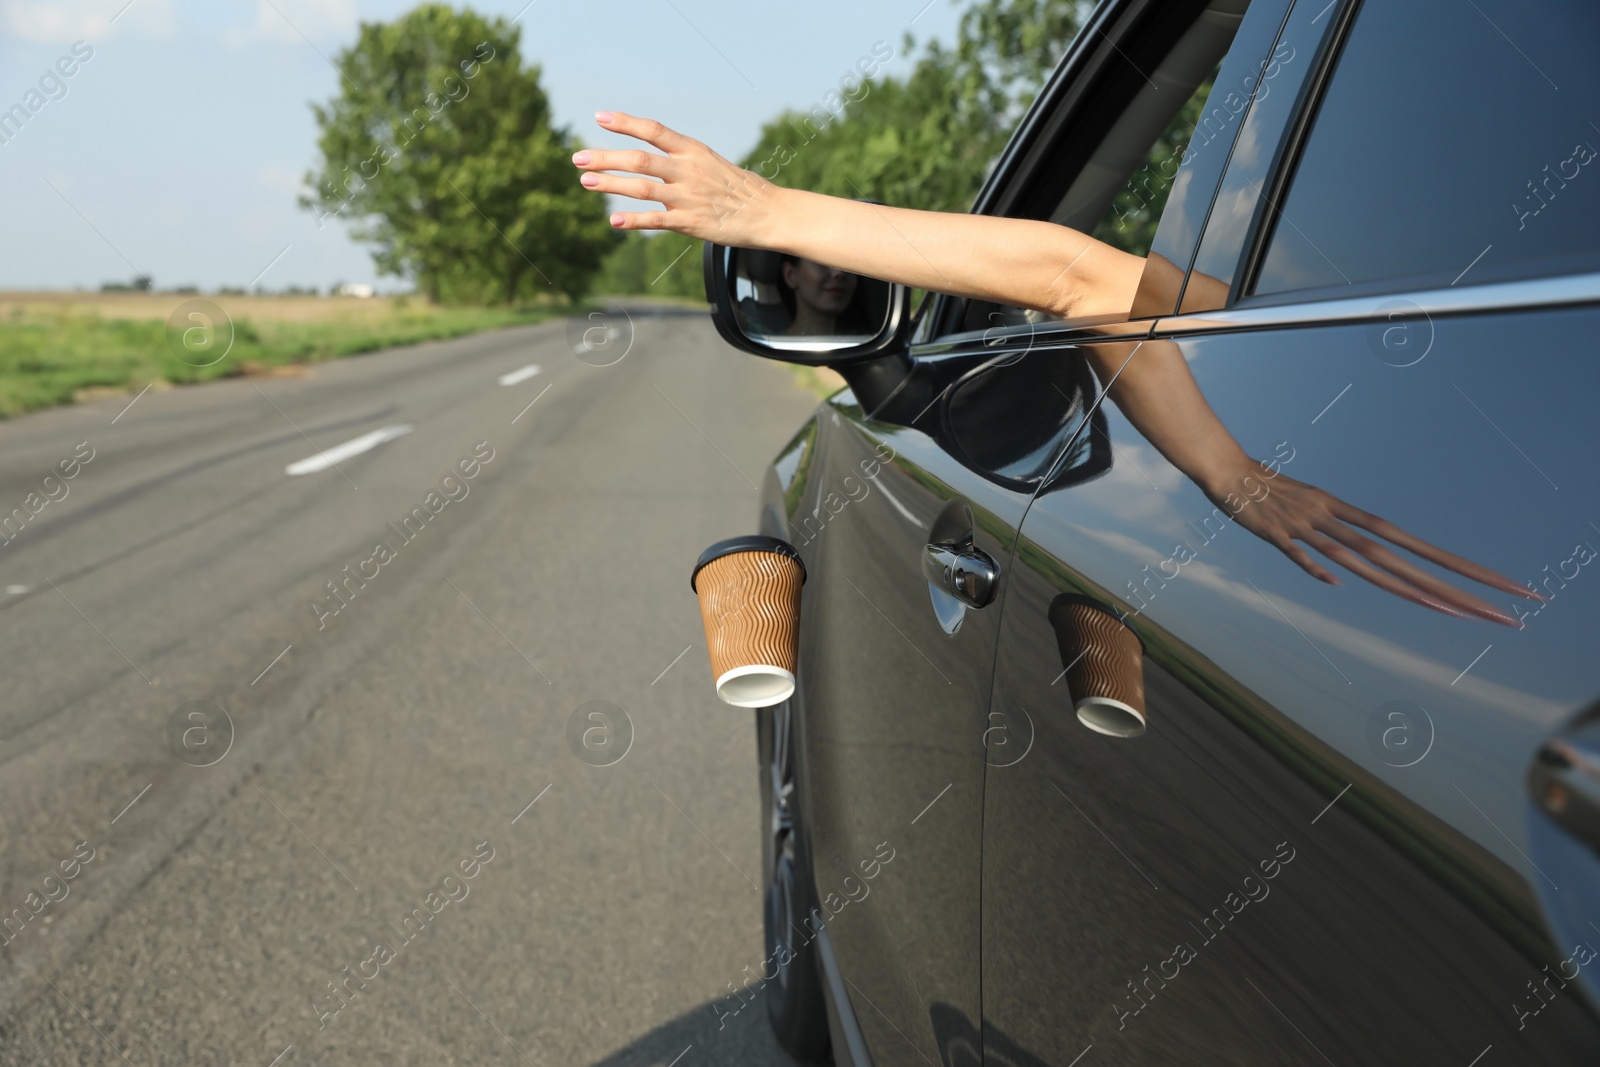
(1282, 511)
(705, 196)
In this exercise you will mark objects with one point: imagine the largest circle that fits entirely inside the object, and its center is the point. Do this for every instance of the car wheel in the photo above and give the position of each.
(795, 1004)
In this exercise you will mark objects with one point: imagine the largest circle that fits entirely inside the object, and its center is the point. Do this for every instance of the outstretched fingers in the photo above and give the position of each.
(699, 190)
(1375, 552)
(650, 131)
(639, 220)
(629, 161)
(640, 168)
(632, 188)
(1449, 560)
(1303, 559)
(1387, 582)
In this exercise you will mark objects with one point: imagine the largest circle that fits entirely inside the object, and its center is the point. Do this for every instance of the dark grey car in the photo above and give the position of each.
(1354, 830)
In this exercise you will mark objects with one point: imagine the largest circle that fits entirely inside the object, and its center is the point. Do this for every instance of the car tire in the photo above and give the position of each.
(795, 1004)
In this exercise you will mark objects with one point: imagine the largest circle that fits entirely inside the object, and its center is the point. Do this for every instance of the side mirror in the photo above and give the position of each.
(760, 299)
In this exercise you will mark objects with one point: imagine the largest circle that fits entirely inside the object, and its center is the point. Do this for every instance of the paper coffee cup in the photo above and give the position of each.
(1104, 660)
(749, 589)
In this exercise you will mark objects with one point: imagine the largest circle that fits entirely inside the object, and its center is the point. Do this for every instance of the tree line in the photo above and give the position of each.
(441, 153)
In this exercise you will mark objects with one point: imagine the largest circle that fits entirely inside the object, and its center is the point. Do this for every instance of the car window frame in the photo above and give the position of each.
(1414, 300)
(1567, 282)
(1291, 142)
(1274, 135)
(1422, 294)
(1071, 89)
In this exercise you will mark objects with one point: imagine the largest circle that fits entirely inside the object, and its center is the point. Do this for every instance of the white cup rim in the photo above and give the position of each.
(755, 685)
(1105, 715)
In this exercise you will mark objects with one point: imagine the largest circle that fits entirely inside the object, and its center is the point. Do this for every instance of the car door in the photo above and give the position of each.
(896, 732)
(897, 659)
(903, 496)
(1322, 846)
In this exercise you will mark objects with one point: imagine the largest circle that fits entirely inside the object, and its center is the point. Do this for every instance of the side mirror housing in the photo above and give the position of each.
(846, 319)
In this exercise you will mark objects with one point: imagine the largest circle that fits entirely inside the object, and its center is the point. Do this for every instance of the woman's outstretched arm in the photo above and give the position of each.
(1048, 268)
(1021, 262)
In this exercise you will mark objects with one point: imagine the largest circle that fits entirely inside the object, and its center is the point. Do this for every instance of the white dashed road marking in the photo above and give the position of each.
(520, 375)
(330, 456)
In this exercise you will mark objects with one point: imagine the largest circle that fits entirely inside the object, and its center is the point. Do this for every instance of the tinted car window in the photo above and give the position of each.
(1448, 146)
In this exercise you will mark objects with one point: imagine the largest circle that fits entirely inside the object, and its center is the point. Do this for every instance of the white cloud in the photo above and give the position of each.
(295, 22)
(61, 21)
(1141, 484)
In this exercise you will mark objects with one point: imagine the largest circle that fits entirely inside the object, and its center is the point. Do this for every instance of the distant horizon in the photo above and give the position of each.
(387, 285)
(226, 290)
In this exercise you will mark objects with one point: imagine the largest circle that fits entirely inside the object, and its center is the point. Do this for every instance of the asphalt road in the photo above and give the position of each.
(374, 751)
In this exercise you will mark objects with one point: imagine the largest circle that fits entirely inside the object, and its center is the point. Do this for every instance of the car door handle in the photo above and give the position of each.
(1565, 782)
(963, 571)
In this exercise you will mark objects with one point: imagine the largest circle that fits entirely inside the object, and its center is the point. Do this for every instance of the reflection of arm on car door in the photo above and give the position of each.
(1151, 384)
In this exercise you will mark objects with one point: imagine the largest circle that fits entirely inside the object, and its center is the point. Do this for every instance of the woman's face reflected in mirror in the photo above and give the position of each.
(820, 294)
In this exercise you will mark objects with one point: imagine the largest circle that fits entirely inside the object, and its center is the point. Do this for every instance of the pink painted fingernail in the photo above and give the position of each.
(591, 180)
(581, 158)
(605, 117)
(616, 220)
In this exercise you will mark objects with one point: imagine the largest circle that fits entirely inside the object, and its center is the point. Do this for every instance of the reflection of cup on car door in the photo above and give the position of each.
(749, 590)
(1104, 662)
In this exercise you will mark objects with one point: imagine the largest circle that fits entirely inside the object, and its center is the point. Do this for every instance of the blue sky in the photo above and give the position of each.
(178, 148)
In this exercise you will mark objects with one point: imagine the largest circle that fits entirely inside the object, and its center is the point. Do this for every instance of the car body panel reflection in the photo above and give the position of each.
(1127, 894)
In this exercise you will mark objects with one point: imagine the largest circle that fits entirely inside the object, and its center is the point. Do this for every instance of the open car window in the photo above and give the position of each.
(1114, 181)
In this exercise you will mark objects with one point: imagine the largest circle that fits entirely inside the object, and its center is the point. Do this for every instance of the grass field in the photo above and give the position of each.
(58, 347)
(820, 382)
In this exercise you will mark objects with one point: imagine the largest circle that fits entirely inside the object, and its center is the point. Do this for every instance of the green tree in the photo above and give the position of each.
(924, 140)
(440, 148)
(928, 140)
(626, 269)
(677, 266)
(1006, 50)
(664, 264)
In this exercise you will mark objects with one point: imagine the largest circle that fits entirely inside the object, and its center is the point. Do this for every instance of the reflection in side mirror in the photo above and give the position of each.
(784, 307)
(780, 299)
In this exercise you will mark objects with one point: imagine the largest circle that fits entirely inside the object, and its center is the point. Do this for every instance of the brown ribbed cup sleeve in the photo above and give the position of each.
(750, 604)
